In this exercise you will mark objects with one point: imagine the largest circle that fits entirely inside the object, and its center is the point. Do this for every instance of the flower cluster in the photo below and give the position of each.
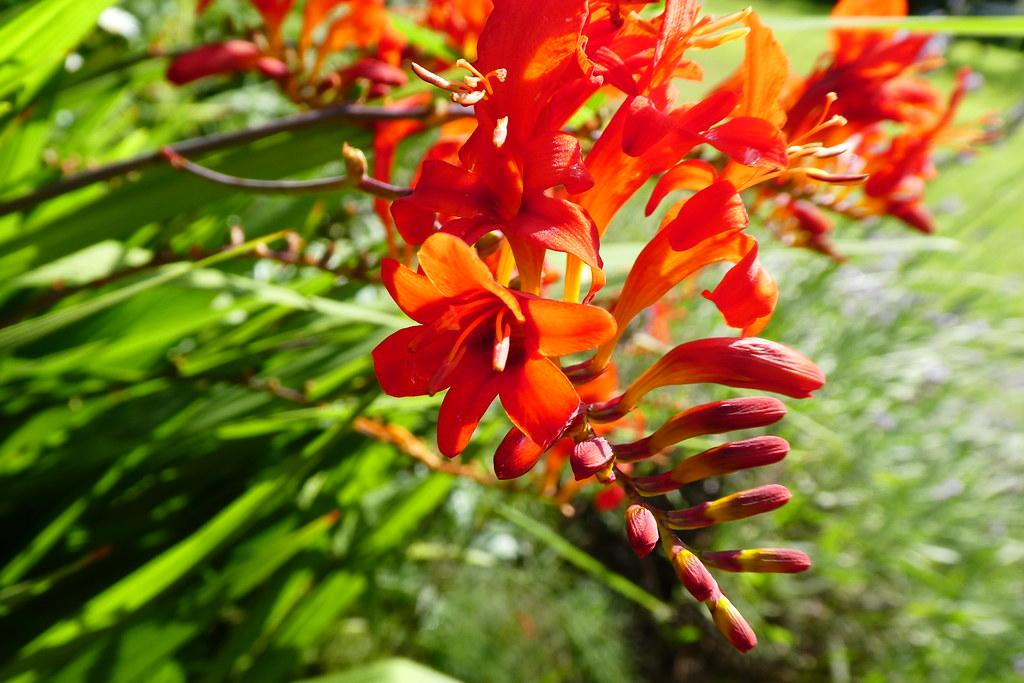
(487, 215)
(571, 108)
(892, 120)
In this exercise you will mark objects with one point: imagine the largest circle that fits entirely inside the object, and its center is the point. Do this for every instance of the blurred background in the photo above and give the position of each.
(187, 494)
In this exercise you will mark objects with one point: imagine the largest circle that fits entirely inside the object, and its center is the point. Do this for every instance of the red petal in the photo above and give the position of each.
(559, 225)
(405, 372)
(746, 296)
(707, 112)
(464, 404)
(413, 292)
(555, 159)
(538, 398)
(750, 141)
(717, 208)
(645, 126)
(561, 328)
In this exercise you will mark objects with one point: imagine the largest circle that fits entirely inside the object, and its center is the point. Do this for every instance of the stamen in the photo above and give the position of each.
(500, 132)
(433, 79)
(722, 22)
(713, 41)
(825, 176)
(502, 342)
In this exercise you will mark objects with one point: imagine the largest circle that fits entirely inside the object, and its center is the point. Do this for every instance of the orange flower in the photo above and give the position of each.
(480, 340)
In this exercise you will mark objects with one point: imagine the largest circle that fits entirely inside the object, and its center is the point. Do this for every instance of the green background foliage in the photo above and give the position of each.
(185, 497)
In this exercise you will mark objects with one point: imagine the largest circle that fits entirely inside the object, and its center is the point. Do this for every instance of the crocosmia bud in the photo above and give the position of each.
(642, 529)
(731, 624)
(692, 573)
(516, 455)
(590, 457)
(770, 560)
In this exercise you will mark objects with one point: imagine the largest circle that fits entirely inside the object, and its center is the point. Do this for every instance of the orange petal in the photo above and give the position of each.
(454, 268)
(538, 398)
(561, 328)
(692, 174)
(413, 292)
(645, 126)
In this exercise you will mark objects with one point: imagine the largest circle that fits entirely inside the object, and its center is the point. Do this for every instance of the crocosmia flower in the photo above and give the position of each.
(479, 341)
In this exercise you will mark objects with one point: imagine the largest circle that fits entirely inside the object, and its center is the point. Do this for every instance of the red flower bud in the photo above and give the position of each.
(710, 418)
(516, 455)
(590, 457)
(729, 457)
(215, 58)
(736, 506)
(642, 529)
(731, 624)
(770, 560)
(692, 573)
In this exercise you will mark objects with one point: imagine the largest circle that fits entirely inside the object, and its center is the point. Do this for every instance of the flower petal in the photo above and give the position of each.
(465, 403)
(454, 268)
(413, 292)
(406, 361)
(747, 295)
(559, 225)
(561, 328)
(750, 141)
(555, 159)
(538, 398)
(692, 174)
(716, 209)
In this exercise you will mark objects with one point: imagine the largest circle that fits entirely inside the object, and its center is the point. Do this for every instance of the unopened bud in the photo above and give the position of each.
(767, 560)
(642, 529)
(736, 506)
(731, 624)
(729, 457)
(590, 457)
(516, 455)
(692, 573)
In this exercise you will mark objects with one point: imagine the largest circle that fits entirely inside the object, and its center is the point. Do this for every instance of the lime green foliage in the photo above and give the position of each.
(186, 496)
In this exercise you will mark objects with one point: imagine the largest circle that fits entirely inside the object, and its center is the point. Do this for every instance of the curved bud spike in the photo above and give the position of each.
(642, 529)
(731, 624)
(766, 560)
(692, 573)
(590, 457)
(748, 362)
(710, 418)
(730, 508)
(516, 455)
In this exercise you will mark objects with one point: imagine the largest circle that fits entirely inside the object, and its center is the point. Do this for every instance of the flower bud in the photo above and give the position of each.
(747, 362)
(736, 506)
(590, 457)
(730, 457)
(516, 455)
(768, 560)
(642, 529)
(216, 58)
(731, 624)
(710, 418)
(692, 573)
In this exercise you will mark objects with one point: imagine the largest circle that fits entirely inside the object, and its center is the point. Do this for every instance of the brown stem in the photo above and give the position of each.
(209, 143)
(372, 186)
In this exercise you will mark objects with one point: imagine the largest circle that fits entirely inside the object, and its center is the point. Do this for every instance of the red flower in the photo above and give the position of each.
(480, 340)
